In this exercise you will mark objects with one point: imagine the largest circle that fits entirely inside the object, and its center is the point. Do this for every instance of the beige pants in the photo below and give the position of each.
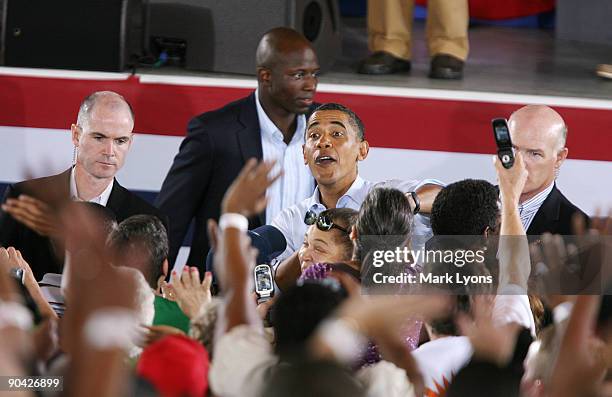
(390, 25)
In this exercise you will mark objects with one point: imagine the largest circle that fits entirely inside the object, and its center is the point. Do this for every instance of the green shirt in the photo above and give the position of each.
(169, 313)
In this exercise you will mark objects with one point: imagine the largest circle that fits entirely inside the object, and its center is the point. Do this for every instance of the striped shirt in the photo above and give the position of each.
(297, 182)
(529, 208)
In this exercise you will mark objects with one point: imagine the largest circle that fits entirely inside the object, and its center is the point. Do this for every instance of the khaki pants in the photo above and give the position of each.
(390, 26)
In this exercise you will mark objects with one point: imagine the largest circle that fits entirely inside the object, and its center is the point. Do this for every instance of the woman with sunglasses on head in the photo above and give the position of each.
(385, 218)
(327, 239)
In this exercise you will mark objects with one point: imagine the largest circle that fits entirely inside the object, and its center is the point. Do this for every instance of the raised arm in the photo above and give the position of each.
(234, 256)
(288, 272)
(514, 263)
(426, 195)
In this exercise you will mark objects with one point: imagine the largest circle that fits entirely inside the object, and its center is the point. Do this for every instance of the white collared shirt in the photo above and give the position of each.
(529, 208)
(297, 182)
(291, 221)
(102, 199)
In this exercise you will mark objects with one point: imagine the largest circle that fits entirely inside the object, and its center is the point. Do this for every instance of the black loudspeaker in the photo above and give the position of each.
(104, 35)
(222, 35)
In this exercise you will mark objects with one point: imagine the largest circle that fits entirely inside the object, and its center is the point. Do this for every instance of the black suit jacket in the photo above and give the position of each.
(555, 215)
(217, 145)
(38, 250)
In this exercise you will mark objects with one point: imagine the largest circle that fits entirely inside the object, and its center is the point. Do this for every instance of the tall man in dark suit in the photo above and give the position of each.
(102, 137)
(268, 124)
(540, 134)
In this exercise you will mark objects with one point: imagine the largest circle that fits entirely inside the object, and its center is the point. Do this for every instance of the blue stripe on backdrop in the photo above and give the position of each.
(146, 195)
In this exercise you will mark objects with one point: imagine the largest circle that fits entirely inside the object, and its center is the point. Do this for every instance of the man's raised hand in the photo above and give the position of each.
(511, 181)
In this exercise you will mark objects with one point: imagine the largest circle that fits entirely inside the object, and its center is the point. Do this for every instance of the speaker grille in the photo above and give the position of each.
(311, 24)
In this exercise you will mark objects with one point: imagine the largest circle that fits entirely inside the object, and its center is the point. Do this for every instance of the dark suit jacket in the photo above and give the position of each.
(217, 145)
(555, 215)
(38, 250)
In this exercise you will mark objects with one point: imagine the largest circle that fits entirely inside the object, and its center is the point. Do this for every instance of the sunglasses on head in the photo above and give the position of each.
(323, 221)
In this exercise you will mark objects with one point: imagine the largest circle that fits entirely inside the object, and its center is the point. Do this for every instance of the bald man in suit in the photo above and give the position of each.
(540, 133)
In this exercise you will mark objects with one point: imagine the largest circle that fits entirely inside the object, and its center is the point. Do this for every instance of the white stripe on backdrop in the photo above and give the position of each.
(47, 151)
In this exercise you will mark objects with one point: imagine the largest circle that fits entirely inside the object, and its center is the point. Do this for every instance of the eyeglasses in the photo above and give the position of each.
(323, 221)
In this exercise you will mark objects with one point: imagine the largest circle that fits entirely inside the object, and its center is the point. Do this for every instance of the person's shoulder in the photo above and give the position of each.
(299, 208)
(567, 207)
(133, 204)
(35, 182)
(39, 187)
(224, 114)
(285, 219)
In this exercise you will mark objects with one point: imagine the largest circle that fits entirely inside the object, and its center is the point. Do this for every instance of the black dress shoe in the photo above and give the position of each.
(383, 63)
(446, 67)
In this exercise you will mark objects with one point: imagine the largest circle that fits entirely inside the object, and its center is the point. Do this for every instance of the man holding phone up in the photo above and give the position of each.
(540, 134)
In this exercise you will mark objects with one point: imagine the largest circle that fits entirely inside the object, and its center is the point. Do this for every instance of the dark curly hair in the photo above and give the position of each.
(466, 207)
(353, 118)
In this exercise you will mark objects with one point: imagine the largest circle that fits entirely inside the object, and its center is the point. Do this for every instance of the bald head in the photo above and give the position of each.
(278, 43)
(541, 119)
(287, 76)
(539, 134)
(109, 100)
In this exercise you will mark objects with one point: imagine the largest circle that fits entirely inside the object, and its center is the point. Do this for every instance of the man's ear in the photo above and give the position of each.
(487, 231)
(75, 131)
(304, 154)
(264, 75)
(364, 149)
(353, 235)
(165, 267)
(561, 156)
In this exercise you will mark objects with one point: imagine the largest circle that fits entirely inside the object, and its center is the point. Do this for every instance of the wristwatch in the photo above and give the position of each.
(417, 202)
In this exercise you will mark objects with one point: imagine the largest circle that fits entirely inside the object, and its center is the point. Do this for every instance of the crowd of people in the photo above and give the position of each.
(272, 180)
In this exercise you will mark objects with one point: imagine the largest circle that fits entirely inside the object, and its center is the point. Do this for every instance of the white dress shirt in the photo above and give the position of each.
(529, 208)
(291, 221)
(297, 182)
(102, 199)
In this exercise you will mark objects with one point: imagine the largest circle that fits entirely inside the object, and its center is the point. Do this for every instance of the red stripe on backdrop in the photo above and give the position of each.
(391, 122)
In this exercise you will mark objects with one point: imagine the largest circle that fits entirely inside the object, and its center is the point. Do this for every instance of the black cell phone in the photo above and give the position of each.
(501, 133)
(264, 282)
